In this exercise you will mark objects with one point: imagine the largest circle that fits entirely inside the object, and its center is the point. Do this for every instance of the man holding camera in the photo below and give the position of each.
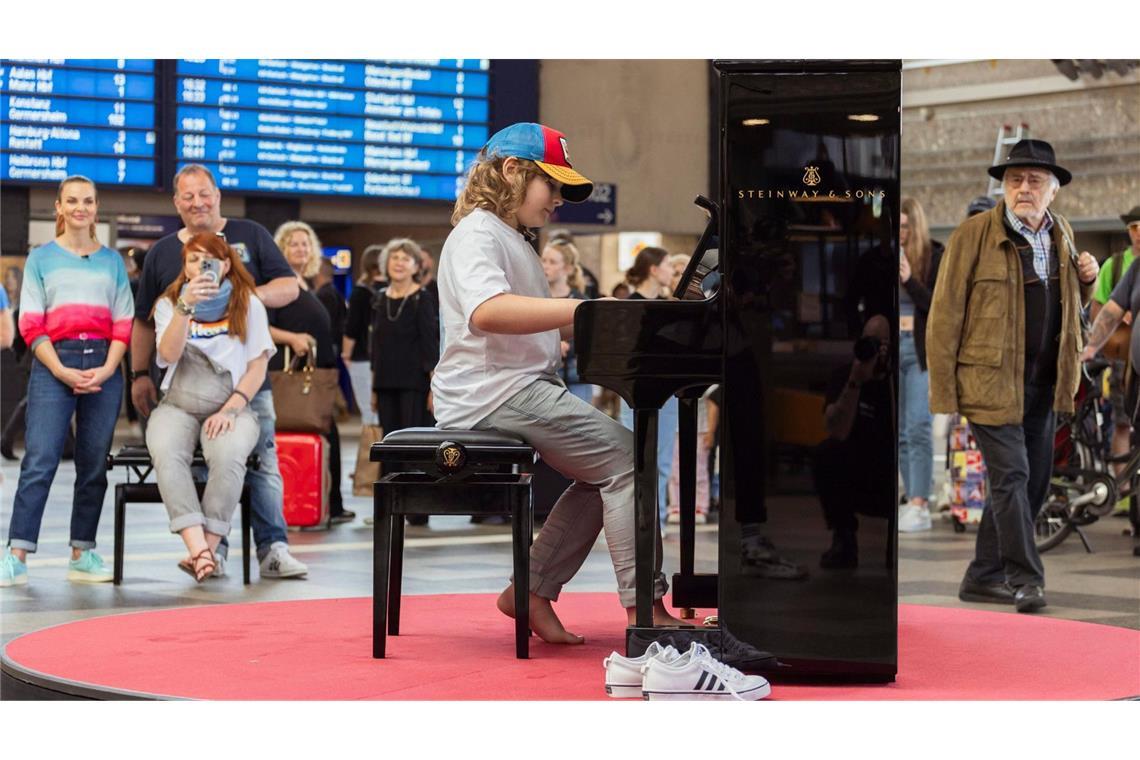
(198, 201)
(1003, 347)
(854, 473)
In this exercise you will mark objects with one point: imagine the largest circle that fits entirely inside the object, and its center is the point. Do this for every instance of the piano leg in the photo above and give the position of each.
(645, 498)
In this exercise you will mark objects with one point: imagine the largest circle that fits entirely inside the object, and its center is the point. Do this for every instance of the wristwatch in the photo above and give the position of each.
(137, 373)
(183, 307)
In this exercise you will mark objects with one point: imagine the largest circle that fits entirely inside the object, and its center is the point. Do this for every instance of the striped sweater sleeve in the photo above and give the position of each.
(33, 304)
(123, 307)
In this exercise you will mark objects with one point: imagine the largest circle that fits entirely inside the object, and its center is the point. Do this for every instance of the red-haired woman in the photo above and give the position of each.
(213, 335)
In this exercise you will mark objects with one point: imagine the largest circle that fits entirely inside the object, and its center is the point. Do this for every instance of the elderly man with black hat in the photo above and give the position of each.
(1003, 346)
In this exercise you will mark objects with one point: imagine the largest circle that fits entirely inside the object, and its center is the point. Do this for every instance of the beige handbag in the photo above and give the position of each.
(304, 397)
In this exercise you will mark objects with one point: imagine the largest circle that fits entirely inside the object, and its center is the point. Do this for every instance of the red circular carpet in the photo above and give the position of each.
(458, 647)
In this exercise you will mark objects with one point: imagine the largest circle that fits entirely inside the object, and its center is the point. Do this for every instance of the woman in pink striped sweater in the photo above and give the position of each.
(75, 316)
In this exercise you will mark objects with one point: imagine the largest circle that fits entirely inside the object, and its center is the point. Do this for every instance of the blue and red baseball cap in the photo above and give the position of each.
(547, 148)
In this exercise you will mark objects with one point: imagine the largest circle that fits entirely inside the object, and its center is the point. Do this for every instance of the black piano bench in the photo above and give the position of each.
(447, 472)
(136, 458)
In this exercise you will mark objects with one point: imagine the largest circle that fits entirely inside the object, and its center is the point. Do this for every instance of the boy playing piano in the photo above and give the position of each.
(499, 365)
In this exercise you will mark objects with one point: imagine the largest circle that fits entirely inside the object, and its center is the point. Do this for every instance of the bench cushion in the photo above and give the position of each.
(480, 447)
(429, 436)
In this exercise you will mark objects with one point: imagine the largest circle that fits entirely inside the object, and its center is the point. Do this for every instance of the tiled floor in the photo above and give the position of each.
(454, 556)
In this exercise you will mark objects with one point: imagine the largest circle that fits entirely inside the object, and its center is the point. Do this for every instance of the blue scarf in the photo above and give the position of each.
(213, 309)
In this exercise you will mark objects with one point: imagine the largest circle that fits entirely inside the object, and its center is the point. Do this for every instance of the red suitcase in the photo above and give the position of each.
(303, 459)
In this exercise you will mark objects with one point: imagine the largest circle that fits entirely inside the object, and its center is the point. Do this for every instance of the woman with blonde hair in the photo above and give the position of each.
(302, 249)
(305, 325)
(212, 333)
(75, 316)
(918, 267)
(563, 270)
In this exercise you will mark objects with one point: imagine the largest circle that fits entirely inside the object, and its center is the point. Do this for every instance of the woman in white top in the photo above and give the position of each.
(213, 336)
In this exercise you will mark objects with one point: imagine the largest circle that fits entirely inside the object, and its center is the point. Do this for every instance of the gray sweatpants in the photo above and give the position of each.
(176, 427)
(595, 452)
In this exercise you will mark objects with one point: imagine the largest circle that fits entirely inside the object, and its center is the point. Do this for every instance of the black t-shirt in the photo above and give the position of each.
(405, 340)
(872, 436)
(358, 322)
(333, 302)
(1126, 295)
(305, 315)
(163, 263)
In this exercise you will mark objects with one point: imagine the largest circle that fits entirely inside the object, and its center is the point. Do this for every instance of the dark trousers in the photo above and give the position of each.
(336, 501)
(1019, 463)
(849, 484)
(401, 408)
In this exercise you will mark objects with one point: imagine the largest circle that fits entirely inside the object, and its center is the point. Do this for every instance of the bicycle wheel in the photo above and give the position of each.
(1055, 520)
(1052, 525)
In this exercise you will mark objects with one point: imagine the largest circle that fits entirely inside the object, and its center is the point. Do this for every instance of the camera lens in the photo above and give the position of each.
(866, 348)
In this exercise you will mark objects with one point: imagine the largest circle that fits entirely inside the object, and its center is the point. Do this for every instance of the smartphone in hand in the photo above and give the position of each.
(211, 267)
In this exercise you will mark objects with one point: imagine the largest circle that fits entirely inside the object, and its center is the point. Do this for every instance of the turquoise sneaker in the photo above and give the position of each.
(88, 568)
(13, 572)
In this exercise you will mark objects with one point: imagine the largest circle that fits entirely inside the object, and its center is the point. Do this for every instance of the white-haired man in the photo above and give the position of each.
(1003, 344)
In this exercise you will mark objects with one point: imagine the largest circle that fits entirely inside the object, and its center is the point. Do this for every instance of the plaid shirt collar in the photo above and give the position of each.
(1024, 229)
(1040, 241)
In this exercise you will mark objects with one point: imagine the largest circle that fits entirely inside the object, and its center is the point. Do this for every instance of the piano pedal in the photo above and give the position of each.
(687, 613)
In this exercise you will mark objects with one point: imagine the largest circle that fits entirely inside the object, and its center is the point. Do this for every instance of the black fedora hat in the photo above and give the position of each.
(1131, 216)
(1036, 153)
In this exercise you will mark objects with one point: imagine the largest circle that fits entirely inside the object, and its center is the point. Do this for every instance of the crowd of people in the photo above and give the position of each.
(217, 306)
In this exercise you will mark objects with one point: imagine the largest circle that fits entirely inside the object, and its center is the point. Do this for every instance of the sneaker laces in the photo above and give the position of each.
(727, 674)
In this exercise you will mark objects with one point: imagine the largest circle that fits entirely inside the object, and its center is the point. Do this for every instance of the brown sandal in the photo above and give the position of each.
(200, 566)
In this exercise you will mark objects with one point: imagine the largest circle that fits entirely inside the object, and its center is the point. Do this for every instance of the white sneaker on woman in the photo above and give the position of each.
(913, 518)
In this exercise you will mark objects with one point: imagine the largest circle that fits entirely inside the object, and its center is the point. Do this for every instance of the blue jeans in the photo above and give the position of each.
(916, 449)
(51, 405)
(666, 434)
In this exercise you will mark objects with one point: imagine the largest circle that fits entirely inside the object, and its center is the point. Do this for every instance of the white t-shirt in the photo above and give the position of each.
(477, 371)
(213, 339)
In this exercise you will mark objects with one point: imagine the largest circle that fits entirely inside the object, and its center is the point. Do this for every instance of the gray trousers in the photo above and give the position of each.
(595, 452)
(175, 428)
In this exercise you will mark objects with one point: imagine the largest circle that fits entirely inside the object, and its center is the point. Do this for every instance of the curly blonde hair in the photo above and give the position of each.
(488, 188)
(281, 237)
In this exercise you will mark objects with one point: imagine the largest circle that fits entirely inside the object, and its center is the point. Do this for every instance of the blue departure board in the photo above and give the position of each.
(95, 117)
(384, 128)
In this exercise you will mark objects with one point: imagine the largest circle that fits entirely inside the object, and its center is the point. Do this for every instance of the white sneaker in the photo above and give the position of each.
(913, 518)
(623, 674)
(698, 675)
(279, 563)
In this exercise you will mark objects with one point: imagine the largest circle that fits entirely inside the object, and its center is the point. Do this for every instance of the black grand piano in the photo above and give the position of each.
(799, 250)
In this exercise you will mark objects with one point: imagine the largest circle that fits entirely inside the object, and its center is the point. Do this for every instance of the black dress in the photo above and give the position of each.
(405, 350)
(308, 315)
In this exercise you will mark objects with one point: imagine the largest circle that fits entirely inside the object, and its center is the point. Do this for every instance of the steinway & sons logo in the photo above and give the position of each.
(812, 179)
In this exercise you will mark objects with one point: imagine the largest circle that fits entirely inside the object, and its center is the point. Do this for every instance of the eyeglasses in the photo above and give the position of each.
(1036, 181)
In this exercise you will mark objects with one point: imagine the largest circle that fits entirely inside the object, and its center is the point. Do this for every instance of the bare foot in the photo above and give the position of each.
(661, 617)
(543, 620)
